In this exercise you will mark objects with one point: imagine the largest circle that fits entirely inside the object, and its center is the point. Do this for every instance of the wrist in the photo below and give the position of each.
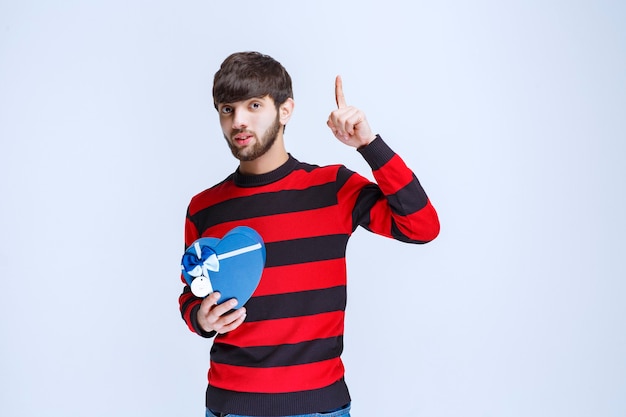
(195, 323)
(367, 142)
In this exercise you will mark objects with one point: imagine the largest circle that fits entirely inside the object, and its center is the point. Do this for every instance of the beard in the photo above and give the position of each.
(259, 147)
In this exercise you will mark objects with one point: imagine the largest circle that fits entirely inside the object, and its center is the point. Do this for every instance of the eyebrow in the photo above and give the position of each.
(245, 99)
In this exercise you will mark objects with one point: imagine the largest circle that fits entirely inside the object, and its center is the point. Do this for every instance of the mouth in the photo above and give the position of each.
(242, 139)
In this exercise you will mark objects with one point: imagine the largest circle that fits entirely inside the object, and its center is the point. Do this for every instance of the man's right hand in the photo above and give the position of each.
(213, 317)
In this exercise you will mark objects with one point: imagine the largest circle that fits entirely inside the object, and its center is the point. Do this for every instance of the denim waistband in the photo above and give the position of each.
(343, 411)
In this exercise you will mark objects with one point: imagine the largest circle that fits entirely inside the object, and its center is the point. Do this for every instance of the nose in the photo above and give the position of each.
(239, 120)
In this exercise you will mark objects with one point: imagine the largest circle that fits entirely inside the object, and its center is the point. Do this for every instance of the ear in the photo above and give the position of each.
(285, 110)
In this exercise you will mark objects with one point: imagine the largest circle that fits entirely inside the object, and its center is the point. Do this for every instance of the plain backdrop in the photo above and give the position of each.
(512, 113)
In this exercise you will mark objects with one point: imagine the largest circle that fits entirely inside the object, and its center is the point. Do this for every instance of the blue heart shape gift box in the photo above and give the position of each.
(232, 265)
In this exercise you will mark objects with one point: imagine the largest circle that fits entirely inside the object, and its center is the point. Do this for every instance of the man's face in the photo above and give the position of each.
(250, 126)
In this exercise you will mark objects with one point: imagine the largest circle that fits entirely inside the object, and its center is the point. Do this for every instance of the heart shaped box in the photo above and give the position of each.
(232, 265)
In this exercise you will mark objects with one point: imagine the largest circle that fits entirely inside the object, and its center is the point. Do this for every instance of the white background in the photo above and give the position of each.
(512, 114)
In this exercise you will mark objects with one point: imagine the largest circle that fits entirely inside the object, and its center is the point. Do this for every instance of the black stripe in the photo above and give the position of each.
(319, 248)
(398, 235)
(266, 204)
(377, 153)
(188, 302)
(368, 196)
(296, 304)
(282, 355)
(278, 404)
(409, 199)
(343, 175)
(306, 167)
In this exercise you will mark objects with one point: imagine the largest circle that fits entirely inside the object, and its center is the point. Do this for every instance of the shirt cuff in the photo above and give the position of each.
(377, 153)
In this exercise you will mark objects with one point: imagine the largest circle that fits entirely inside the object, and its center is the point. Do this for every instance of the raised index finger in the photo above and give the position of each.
(339, 97)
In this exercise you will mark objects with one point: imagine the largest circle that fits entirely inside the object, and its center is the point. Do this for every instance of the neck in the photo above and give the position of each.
(275, 157)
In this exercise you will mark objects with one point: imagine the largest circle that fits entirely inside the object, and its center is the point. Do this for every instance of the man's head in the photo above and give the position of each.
(245, 75)
(253, 96)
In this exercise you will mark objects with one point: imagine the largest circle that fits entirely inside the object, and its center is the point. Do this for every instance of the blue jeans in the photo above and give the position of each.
(343, 412)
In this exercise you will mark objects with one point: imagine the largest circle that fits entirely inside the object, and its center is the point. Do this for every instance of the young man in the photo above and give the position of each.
(279, 355)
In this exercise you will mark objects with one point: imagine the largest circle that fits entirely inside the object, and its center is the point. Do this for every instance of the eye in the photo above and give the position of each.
(226, 110)
(255, 105)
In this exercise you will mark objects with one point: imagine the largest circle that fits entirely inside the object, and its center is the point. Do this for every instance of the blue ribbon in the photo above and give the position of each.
(198, 260)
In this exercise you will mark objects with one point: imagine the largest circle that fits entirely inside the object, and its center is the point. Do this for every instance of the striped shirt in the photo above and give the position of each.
(285, 358)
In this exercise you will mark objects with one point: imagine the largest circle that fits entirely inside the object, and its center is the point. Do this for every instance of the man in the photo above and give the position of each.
(279, 355)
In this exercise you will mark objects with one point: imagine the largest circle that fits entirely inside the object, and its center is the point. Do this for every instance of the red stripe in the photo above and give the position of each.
(283, 331)
(380, 218)
(422, 225)
(191, 233)
(287, 226)
(302, 277)
(349, 193)
(276, 380)
(393, 176)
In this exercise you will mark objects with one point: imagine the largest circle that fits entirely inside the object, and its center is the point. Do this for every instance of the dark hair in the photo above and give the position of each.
(244, 75)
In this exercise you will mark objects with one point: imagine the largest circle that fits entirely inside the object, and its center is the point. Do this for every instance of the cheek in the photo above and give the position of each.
(225, 125)
(269, 120)
(266, 126)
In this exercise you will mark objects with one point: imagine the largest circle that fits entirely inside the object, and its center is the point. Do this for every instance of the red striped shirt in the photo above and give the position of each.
(286, 355)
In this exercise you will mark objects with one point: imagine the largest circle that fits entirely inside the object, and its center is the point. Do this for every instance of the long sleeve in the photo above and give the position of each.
(189, 303)
(397, 206)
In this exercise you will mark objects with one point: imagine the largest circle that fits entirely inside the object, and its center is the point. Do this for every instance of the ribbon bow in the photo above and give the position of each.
(205, 260)
(199, 259)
